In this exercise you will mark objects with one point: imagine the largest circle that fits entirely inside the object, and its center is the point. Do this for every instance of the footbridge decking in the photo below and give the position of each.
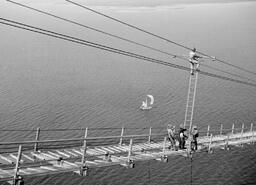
(129, 149)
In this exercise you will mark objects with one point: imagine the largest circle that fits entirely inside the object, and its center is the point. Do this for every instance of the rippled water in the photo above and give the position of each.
(50, 83)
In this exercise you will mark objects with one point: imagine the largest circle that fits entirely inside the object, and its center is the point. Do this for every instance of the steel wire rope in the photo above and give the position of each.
(88, 43)
(112, 35)
(111, 49)
(111, 128)
(160, 37)
(232, 74)
(109, 34)
(82, 129)
(94, 29)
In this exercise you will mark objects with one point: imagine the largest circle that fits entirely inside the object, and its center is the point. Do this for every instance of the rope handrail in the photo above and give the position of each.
(81, 129)
(78, 139)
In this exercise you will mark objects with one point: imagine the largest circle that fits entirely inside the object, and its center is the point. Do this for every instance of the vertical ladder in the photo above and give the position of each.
(191, 100)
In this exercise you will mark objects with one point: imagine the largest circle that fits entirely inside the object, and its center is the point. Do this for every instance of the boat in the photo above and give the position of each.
(145, 105)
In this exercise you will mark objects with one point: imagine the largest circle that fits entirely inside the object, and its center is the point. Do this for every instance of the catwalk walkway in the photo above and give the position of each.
(127, 151)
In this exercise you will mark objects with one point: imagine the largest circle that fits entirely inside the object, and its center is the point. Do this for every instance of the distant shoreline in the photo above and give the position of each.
(146, 3)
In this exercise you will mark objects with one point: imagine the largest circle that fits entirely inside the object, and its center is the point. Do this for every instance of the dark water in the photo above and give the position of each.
(50, 83)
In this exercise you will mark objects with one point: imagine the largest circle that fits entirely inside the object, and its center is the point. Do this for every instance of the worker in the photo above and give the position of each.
(171, 135)
(193, 59)
(195, 135)
(182, 137)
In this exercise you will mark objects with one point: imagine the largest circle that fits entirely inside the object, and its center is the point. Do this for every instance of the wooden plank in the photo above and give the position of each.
(71, 152)
(118, 159)
(70, 163)
(54, 154)
(77, 151)
(108, 150)
(37, 155)
(23, 172)
(114, 149)
(101, 150)
(158, 145)
(146, 146)
(27, 157)
(6, 173)
(88, 163)
(15, 158)
(49, 168)
(37, 170)
(142, 145)
(122, 148)
(7, 160)
(63, 154)
(48, 156)
(93, 152)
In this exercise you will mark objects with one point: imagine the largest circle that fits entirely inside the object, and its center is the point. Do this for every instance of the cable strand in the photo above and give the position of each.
(111, 49)
(160, 37)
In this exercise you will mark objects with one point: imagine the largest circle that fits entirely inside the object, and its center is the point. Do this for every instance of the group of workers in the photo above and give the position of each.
(178, 137)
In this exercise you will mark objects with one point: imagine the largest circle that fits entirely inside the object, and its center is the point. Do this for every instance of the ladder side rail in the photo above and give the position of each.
(193, 102)
(188, 97)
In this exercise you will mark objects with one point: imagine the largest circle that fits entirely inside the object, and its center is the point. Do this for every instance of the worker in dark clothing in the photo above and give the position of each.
(195, 135)
(182, 137)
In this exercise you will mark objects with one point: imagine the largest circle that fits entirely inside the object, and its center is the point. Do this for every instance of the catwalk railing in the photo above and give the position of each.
(77, 154)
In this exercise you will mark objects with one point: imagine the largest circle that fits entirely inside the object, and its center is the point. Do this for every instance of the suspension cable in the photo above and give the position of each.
(88, 43)
(160, 37)
(92, 28)
(118, 37)
(110, 49)
(232, 74)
